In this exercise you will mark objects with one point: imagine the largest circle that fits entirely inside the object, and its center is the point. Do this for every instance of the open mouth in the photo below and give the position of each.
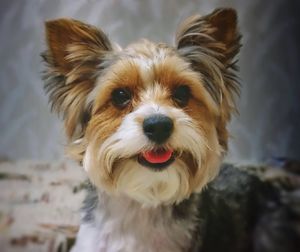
(157, 159)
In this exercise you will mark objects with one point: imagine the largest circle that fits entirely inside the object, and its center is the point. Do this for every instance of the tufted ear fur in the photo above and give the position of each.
(210, 43)
(74, 58)
(216, 32)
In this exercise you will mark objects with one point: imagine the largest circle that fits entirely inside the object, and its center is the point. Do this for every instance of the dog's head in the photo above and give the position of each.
(149, 120)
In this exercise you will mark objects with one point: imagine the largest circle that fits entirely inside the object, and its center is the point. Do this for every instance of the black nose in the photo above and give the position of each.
(158, 128)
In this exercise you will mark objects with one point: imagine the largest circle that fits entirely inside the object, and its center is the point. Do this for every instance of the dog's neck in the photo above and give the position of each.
(119, 222)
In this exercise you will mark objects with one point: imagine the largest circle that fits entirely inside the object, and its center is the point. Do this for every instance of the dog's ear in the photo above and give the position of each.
(74, 58)
(210, 43)
(216, 32)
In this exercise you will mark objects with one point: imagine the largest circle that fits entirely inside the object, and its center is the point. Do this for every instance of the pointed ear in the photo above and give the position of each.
(210, 43)
(75, 56)
(216, 32)
(70, 40)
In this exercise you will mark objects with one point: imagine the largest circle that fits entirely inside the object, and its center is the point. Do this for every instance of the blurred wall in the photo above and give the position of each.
(269, 120)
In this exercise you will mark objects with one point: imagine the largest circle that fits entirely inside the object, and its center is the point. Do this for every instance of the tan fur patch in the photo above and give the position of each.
(173, 72)
(124, 74)
(104, 123)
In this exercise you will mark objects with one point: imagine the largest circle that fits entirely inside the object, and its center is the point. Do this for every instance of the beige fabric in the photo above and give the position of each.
(39, 205)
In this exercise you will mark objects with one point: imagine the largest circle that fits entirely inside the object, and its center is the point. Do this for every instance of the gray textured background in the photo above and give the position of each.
(269, 121)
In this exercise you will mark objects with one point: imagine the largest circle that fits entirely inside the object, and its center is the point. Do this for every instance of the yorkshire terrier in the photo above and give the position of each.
(148, 125)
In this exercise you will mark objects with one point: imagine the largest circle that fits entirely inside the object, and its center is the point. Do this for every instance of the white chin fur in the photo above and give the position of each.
(152, 188)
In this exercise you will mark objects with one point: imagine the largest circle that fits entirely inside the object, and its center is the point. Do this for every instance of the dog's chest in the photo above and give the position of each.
(124, 226)
(131, 228)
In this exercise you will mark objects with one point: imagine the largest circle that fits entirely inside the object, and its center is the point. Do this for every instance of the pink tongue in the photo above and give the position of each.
(157, 157)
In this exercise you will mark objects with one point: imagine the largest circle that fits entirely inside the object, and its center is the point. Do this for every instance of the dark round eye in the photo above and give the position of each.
(181, 95)
(121, 97)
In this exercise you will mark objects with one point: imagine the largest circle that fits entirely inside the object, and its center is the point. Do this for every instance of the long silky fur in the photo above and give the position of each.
(68, 87)
(212, 58)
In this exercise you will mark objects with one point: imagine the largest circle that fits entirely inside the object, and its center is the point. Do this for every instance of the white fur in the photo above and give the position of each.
(121, 225)
(146, 63)
(153, 188)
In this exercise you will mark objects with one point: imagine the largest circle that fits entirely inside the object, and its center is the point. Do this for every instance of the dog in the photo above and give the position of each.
(148, 124)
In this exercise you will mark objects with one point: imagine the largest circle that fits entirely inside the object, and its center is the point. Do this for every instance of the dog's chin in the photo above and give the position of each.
(153, 184)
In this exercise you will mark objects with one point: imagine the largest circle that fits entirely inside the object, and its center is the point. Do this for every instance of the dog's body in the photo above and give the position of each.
(148, 123)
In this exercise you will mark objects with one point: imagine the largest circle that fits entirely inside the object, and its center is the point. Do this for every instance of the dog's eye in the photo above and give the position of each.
(121, 97)
(181, 95)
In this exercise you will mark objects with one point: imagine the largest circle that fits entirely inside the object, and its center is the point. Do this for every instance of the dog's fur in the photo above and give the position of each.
(132, 207)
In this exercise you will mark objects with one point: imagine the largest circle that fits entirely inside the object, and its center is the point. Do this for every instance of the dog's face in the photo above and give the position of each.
(148, 121)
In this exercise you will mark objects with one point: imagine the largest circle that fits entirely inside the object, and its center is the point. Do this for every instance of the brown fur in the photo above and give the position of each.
(75, 53)
(124, 74)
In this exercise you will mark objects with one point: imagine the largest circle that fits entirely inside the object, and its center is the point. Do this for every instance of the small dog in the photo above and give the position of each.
(147, 123)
